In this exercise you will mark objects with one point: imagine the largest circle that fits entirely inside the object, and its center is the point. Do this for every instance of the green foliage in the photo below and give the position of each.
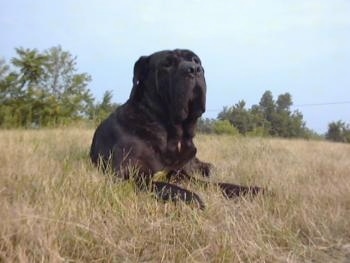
(338, 132)
(43, 89)
(267, 105)
(213, 126)
(257, 132)
(225, 127)
(240, 117)
(3, 68)
(284, 102)
(268, 118)
(312, 135)
(205, 125)
(102, 110)
(31, 65)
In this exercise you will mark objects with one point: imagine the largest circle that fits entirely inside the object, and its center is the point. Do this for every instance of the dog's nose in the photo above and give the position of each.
(192, 68)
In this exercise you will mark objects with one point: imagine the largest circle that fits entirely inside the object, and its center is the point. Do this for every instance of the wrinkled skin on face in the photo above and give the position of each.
(172, 87)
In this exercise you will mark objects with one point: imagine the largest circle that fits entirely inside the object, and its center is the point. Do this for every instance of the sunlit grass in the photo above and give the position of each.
(56, 207)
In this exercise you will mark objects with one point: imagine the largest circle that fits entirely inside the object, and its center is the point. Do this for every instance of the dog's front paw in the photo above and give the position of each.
(205, 169)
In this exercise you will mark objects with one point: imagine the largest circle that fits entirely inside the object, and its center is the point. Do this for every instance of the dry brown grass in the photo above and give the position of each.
(56, 207)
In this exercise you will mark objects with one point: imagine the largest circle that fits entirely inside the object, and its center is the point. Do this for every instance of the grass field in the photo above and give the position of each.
(56, 207)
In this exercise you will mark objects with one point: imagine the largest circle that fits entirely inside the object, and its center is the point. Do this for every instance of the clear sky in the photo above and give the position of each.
(246, 46)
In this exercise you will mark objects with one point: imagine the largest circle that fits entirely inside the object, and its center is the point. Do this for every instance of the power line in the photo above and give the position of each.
(302, 105)
(322, 104)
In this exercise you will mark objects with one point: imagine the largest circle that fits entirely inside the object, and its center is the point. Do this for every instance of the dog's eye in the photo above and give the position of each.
(195, 60)
(167, 63)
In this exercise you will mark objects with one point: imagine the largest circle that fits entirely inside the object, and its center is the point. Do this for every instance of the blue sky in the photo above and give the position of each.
(246, 46)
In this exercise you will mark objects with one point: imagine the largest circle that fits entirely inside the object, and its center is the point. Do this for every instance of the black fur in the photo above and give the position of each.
(153, 131)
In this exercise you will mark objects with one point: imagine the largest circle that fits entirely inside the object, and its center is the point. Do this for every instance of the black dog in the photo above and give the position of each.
(153, 131)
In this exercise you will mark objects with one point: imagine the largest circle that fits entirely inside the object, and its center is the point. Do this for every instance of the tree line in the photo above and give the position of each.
(45, 89)
(267, 118)
(272, 118)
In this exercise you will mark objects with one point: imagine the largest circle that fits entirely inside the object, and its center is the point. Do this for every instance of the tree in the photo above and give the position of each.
(4, 84)
(267, 118)
(261, 125)
(338, 132)
(3, 68)
(267, 105)
(296, 126)
(225, 114)
(68, 89)
(31, 65)
(238, 116)
(283, 103)
(4, 91)
(206, 125)
(44, 88)
(102, 110)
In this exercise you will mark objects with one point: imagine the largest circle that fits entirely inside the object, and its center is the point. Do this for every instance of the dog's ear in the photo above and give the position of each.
(140, 73)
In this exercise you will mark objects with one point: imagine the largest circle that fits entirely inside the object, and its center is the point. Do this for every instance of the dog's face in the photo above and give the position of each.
(171, 82)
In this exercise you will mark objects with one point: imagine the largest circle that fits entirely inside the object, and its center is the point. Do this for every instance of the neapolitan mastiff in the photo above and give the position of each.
(154, 130)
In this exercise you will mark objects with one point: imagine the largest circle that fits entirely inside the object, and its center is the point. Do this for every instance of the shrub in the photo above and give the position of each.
(225, 127)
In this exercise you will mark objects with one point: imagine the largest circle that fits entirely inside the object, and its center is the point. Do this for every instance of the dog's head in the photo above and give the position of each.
(171, 84)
